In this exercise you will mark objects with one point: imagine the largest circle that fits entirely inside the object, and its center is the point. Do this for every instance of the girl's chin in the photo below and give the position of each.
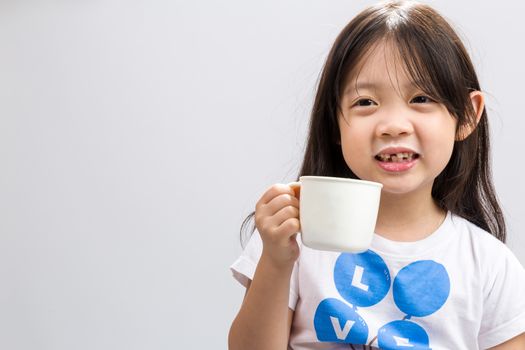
(404, 188)
(399, 184)
(395, 191)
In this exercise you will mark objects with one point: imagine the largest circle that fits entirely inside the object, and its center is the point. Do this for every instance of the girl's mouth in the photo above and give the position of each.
(401, 157)
(397, 162)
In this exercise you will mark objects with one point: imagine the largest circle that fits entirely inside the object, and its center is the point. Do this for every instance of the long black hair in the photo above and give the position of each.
(437, 61)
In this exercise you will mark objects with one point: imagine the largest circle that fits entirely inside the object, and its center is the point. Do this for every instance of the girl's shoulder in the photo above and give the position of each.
(486, 250)
(478, 237)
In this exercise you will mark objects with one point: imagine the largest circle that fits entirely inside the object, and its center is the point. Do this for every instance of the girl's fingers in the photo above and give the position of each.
(273, 192)
(279, 202)
(290, 227)
(277, 212)
(288, 212)
(269, 223)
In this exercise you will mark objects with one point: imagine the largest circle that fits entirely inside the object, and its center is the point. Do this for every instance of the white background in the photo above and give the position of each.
(135, 136)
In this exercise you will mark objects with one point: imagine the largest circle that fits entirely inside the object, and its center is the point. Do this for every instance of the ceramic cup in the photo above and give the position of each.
(338, 214)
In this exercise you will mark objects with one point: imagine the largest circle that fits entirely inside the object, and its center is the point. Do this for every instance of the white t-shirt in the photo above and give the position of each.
(459, 288)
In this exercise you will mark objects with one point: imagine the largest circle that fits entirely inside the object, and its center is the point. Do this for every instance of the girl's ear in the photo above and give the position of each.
(478, 105)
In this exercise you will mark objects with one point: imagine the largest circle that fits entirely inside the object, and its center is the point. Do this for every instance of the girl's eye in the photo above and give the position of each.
(422, 99)
(365, 102)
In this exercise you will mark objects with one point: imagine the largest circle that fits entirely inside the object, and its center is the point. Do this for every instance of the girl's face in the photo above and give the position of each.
(391, 131)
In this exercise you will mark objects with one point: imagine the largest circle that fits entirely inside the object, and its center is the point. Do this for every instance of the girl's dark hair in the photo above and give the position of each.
(437, 61)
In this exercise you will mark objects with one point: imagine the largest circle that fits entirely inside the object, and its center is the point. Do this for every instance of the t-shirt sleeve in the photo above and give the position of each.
(504, 304)
(243, 269)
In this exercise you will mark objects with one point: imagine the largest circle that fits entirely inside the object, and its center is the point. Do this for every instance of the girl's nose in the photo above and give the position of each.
(394, 126)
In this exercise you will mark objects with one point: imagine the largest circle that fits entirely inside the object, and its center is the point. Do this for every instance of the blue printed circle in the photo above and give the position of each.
(335, 321)
(421, 288)
(361, 279)
(402, 335)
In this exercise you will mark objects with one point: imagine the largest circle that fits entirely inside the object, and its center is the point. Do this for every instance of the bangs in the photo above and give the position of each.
(415, 61)
(436, 60)
(431, 67)
(404, 57)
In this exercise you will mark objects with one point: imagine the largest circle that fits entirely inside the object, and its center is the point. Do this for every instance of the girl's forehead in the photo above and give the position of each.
(379, 64)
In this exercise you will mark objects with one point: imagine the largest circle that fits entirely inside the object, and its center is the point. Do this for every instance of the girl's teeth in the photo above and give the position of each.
(399, 157)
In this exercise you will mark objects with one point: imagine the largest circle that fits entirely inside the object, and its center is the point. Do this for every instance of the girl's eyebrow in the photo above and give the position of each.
(352, 88)
(364, 85)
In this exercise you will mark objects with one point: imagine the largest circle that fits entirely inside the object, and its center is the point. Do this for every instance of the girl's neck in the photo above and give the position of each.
(408, 218)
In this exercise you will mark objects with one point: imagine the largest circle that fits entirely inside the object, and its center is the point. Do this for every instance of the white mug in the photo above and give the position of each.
(338, 214)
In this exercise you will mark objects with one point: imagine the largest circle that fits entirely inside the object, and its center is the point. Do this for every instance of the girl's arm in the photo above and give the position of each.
(516, 343)
(264, 320)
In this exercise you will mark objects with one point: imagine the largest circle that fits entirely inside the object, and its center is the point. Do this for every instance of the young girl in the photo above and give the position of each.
(398, 103)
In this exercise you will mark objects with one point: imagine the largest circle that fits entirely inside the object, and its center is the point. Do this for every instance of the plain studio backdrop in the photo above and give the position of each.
(135, 136)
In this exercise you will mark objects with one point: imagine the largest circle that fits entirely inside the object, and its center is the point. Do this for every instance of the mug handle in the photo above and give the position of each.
(296, 187)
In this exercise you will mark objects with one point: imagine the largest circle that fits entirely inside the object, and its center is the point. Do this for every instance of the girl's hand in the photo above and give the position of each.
(277, 220)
